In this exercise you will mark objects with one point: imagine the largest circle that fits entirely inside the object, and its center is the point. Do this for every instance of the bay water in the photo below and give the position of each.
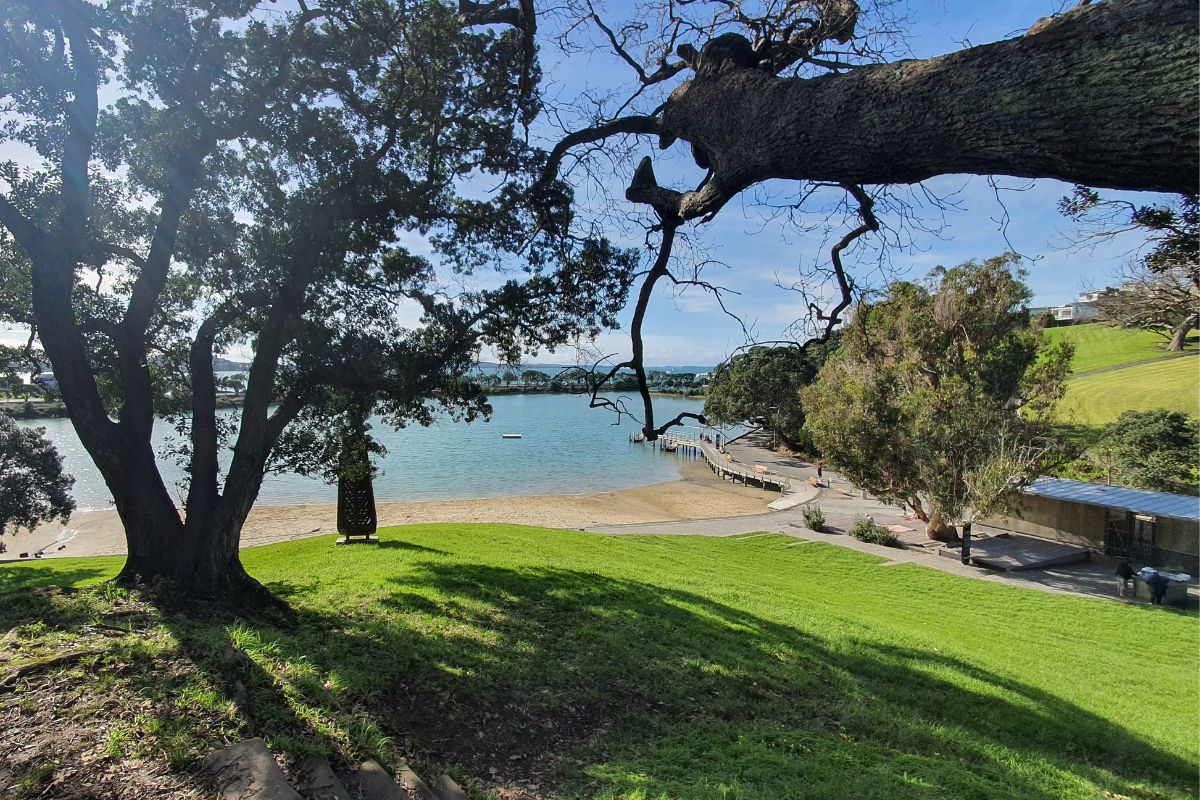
(565, 448)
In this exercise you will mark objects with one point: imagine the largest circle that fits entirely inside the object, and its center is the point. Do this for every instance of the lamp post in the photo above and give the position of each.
(774, 432)
(966, 536)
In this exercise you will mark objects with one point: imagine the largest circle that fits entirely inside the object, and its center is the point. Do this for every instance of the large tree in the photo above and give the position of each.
(249, 181)
(939, 393)
(1166, 302)
(812, 92)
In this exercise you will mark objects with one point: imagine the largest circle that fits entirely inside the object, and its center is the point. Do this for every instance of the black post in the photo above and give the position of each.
(966, 543)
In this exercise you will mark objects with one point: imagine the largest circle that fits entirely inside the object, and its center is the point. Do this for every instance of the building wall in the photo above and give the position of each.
(1178, 542)
(1060, 520)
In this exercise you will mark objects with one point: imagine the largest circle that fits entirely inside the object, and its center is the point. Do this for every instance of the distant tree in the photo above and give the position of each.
(235, 383)
(1160, 291)
(1165, 301)
(510, 377)
(939, 394)
(33, 487)
(533, 377)
(765, 382)
(1154, 450)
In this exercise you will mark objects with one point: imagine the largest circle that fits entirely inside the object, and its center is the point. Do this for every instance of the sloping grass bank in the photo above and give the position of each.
(1098, 346)
(1098, 399)
(580, 666)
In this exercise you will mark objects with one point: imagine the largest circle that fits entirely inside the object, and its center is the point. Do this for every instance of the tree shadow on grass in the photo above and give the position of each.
(400, 544)
(603, 687)
(592, 686)
(22, 575)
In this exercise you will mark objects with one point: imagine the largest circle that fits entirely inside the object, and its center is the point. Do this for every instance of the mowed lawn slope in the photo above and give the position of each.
(1096, 399)
(1173, 384)
(639, 667)
(1098, 346)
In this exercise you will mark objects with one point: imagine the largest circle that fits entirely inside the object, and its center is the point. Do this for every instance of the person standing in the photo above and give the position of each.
(820, 470)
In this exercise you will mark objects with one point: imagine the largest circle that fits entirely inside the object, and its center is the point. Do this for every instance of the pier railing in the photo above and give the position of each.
(723, 465)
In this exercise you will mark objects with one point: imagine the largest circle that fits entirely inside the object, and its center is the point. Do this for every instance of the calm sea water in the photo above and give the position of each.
(566, 448)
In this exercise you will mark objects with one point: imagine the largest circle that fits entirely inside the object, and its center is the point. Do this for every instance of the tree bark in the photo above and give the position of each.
(1104, 95)
(937, 529)
(1180, 334)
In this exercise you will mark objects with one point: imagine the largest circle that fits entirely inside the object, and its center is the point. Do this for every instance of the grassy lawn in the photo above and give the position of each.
(1099, 399)
(1098, 346)
(641, 668)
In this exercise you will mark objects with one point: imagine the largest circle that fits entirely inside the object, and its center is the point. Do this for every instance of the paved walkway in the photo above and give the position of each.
(841, 503)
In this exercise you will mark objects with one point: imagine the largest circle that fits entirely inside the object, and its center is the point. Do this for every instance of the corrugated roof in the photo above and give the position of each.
(1162, 504)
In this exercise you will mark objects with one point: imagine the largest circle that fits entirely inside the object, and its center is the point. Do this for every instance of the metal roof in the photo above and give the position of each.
(1180, 506)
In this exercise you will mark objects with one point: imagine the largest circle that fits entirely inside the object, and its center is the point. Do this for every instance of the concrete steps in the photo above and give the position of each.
(248, 771)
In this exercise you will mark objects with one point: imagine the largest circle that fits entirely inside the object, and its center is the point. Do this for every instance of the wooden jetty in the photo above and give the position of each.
(722, 465)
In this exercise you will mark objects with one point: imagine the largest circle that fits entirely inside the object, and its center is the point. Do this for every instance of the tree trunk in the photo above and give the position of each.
(1180, 334)
(1104, 95)
(937, 529)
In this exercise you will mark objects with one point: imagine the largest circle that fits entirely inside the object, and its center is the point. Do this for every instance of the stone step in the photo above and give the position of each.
(247, 771)
(371, 782)
(317, 781)
(447, 789)
(412, 783)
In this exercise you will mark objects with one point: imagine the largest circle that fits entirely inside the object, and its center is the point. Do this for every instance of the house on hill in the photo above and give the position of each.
(1082, 310)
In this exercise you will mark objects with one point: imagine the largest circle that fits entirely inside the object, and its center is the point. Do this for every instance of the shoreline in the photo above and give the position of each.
(697, 494)
(32, 410)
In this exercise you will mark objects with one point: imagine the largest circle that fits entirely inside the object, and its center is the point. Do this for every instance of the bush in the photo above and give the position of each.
(814, 518)
(867, 531)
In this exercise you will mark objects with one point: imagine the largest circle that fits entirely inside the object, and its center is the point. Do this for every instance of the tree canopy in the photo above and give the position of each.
(254, 183)
(1154, 450)
(939, 393)
(817, 93)
(765, 382)
(33, 486)
(1160, 289)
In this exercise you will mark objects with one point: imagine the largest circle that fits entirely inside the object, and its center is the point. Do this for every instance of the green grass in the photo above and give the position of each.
(646, 668)
(1098, 345)
(1100, 399)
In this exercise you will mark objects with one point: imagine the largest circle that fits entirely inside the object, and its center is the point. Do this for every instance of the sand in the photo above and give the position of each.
(697, 495)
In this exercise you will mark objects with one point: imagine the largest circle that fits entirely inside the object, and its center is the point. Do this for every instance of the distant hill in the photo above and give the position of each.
(222, 364)
(1110, 374)
(1098, 346)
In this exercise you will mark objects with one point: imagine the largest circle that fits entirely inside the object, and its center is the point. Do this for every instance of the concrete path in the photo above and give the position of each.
(841, 503)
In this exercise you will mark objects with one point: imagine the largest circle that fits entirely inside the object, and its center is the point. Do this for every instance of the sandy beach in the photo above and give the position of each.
(697, 495)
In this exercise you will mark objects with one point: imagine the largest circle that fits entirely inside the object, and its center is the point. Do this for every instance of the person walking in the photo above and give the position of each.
(820, 470)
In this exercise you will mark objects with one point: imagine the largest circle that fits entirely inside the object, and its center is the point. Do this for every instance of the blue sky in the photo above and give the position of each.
(691, 330)
(754, 255)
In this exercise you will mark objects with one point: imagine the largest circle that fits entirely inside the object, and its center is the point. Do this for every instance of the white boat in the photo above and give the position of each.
(510, 436)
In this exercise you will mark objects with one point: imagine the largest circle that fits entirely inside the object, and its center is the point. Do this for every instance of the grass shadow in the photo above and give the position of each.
(603, 687)
(607, 687)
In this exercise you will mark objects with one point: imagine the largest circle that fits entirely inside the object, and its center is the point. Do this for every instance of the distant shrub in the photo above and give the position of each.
(866, 531)
(814, 518)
